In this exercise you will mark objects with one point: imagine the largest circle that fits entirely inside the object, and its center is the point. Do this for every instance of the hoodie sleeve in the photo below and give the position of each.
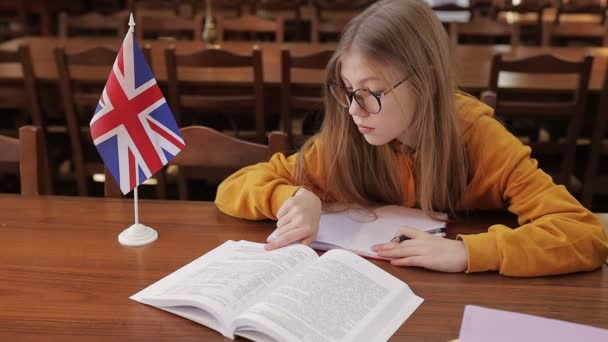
(556, 233)
(257, 192)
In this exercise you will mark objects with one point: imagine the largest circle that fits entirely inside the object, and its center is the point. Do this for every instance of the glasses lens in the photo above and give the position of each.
(367, 101)
(339, 94)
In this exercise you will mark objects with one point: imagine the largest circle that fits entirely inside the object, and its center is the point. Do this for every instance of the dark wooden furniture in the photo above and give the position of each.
(65, 276)
(27, 158)
(213, 156)
(543, 112)
(21, 95)
(596, 176)
(93, 24)
(471, 63)
(484, 28)
(252, 26)
(300, 97)
(13, 20)
(222, 98)
(80, 98)
(169, 26)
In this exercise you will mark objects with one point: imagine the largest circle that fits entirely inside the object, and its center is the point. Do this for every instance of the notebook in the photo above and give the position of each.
(481, 324)
(358, 229)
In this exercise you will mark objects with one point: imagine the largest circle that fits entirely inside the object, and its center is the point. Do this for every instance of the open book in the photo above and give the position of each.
(357, 230)
(288, 294)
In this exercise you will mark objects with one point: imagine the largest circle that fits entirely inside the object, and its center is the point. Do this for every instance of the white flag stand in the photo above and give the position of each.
(137, 234)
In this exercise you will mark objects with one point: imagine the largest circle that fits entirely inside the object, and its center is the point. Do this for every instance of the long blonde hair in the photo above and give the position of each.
(407, 35)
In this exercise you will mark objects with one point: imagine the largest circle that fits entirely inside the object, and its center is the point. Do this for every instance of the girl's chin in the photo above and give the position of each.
(375, 141)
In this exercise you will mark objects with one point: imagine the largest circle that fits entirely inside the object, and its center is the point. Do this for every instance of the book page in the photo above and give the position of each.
(229, 282)
(340, 297)
(358, 229)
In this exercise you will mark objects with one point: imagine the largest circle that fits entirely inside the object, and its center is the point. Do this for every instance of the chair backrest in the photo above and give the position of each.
(27, 97)
(593, 7)
(588, 33)
(596, 179)
(288, 9)
(93, 24)
(226, 8)
(210, 154)
(300, 97)
(13, 20)
(26, 157)
(484, 27)
(252, 26)
(548, 113)
(322, 28)
(80, 95)
(169, 26)
(154, 7)
(224, 97)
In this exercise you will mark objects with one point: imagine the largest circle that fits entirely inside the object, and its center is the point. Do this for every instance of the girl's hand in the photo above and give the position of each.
(298, 219)
(425, 250)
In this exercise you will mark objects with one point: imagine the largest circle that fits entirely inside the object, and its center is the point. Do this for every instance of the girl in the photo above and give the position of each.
(396, 132)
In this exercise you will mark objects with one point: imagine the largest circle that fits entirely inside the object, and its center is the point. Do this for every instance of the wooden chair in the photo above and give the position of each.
(25, 99)
(589, 33)
(591, 30)
(21, 96)
(13, 20)
(486, 29)
(530, 30)
(227, 98)
(300, 97)
(592, 7)
(93, 24)
(154, 7)
(169, 26)
(225, 8)
(596, 177)
(80, 97)
(544, 112)
(26, 157)
(252, 26)
(210, 154)
(319, 30)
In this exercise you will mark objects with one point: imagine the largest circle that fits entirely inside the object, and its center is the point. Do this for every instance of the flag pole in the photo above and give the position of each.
(136, 205)
(137, 234)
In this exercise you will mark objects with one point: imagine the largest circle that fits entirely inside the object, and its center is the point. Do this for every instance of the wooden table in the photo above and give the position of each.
(471, 62)
(63, 275)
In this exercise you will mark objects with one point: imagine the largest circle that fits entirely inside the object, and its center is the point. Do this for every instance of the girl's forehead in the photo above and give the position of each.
(360, 65)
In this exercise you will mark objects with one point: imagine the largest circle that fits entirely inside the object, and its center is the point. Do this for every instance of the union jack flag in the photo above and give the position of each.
(133, 127)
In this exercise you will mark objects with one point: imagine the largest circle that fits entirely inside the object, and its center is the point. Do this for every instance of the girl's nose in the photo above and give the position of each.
(356, 109)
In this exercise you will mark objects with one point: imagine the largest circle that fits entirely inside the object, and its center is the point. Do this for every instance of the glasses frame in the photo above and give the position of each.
(351, 94)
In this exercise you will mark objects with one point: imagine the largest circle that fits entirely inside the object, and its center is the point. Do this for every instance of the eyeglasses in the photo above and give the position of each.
(367, 99)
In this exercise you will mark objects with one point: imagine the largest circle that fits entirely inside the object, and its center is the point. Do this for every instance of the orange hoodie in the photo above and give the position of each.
(557, 234)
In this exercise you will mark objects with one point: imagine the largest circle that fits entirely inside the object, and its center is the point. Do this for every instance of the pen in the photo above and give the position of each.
(400, 238)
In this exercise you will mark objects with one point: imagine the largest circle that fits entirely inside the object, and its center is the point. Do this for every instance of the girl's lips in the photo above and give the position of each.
(364, 129)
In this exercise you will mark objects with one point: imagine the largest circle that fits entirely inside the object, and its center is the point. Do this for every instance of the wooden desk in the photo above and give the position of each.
(63, 275)
(472, 63)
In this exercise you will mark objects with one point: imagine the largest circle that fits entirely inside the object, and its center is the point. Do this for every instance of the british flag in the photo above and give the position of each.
(133, 127)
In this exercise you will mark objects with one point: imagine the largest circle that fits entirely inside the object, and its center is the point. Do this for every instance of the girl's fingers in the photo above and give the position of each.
(393, 245)
(284, 209)
(411, 232)
(402, 252)
(417, 261)
(285, 219)
(308, 240)
(289, 226)
(287, 238)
